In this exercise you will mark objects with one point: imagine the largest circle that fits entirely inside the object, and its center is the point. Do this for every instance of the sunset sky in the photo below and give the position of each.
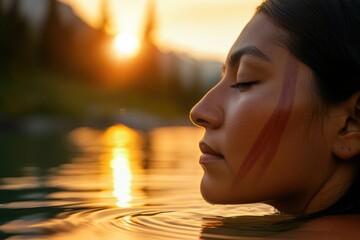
(200, 28)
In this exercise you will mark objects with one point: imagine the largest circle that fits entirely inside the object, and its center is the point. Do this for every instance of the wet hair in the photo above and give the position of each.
(324, 35)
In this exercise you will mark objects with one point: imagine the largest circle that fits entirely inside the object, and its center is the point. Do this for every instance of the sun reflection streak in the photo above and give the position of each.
(121, 141)
(122, 176)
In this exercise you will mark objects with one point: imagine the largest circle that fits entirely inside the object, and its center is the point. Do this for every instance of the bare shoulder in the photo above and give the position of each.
(330, 227)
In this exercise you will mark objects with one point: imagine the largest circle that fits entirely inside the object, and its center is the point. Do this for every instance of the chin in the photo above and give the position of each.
(210, 198)
(214, 195)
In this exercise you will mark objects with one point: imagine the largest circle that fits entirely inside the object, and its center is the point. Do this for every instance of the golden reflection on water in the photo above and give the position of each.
(124, 143)
(146, 185)
(122, 177)
(176, 151)
(132, 167)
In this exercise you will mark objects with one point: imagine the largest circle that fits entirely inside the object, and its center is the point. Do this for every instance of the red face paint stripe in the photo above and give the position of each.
(285, 108)
(256, 150)
(268, 141)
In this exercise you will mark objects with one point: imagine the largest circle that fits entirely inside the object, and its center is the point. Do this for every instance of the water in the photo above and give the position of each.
(115, 184)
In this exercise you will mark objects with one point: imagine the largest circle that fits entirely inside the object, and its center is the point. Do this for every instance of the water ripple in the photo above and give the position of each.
(123, 184)
(162, 222)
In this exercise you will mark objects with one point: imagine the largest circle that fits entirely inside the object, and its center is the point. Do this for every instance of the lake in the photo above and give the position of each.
(117, 183)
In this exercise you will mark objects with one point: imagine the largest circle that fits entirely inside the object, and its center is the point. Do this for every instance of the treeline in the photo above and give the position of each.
(56, 46)
(64, 68)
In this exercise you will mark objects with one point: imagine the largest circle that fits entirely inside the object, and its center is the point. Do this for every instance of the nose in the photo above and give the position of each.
(206, 113)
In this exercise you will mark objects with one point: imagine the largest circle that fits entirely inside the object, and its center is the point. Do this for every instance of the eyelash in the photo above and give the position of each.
(242, 85)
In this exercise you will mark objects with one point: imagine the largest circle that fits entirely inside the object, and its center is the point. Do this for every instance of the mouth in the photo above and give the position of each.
(209, 155)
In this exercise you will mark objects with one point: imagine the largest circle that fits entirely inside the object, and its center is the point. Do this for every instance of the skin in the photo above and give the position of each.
(262, 143)
(269, 138)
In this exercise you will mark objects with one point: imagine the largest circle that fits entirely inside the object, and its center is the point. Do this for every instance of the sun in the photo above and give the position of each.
(126, 45)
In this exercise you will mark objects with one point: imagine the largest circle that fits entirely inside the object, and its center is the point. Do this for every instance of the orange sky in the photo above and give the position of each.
(200, 28)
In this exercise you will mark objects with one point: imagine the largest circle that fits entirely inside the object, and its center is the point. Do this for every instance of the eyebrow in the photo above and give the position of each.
(253, 51)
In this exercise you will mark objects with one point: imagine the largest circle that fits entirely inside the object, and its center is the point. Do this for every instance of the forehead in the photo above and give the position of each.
(262, 34)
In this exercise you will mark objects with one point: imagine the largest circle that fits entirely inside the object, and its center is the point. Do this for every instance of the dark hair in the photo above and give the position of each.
(325, 35)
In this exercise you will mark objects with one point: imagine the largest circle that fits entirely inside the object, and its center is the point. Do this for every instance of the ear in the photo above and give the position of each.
(347, 143)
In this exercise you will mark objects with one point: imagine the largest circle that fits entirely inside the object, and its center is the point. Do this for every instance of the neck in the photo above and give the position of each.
(333, 189)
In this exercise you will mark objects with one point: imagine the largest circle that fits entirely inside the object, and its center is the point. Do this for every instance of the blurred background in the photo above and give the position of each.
(95, 63)
(94, 104)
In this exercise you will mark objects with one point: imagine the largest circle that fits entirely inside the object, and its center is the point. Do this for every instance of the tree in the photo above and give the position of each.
(55, 41)
(13, 39)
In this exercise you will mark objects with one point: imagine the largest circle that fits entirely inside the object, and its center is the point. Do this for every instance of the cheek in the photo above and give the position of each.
(302, 158)
(304, 131)
(303, 154)
(243, 125)
(268, 139)
(304, 136)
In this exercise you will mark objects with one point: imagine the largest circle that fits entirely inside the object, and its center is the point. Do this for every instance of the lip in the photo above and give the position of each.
(209, 155)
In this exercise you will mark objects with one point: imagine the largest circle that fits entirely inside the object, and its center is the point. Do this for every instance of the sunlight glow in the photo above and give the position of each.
(122, 177)
(126, 45)
(121, 141)
(193, 34)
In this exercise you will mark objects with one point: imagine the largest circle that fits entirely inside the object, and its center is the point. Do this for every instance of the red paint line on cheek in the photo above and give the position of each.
(284, 110)
(268, 141)
(260, 144)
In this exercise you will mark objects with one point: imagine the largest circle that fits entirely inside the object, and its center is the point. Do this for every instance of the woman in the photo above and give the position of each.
(283, 124)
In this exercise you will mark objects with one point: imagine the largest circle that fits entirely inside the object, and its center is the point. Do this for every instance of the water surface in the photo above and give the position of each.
(117, 183)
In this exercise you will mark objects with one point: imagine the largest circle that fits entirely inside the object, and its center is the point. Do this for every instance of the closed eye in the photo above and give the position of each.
(242, 86)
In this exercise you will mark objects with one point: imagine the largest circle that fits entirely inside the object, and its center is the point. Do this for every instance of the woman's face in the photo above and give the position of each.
(262, 143)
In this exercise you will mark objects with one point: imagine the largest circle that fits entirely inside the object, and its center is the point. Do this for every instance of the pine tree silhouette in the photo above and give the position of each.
(14, 38)
(55, 44)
